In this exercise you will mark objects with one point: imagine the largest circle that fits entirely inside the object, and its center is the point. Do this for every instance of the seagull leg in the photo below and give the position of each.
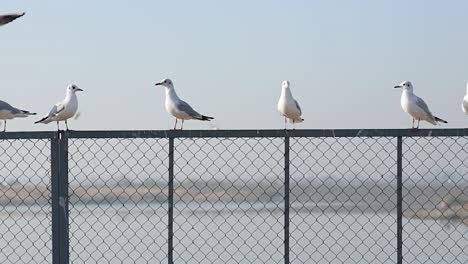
(182, 127)
(4, 128)
(175, 124)
(418, 123)
(413, 124)
(285, 123)
(294, 124)
(58, 126)
(66, 124)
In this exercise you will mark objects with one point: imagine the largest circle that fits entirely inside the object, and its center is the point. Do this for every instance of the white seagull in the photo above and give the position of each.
(9, 112)
(63, 110)
(177, 107)
(7, 18)
(288, 106)
(416, 106)
(465, 101)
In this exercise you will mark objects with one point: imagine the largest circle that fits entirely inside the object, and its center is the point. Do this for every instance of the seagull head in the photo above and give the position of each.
(73, 88)
(166, 83)
(406, 85)
(285, 84)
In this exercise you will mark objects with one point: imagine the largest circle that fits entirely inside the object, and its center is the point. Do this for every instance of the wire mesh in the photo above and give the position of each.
(343, 200)
(118, 200)
(228, 200)
(25, 199)
(229, 197)
(435, 200)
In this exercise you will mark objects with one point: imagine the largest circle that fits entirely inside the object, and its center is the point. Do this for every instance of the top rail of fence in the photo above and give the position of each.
(453, 132)
(28, 135)
(328, 133)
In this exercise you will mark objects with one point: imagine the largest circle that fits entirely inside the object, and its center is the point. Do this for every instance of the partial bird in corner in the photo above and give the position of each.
(288, 106)
(465, 101)
(9, 112)
(179, 108)
(63, 110)
(7, 18)
(416, 106)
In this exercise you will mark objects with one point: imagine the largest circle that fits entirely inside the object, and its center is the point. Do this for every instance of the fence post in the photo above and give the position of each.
(170, 213)
(286, 200)
(59, 179)
(399, 200)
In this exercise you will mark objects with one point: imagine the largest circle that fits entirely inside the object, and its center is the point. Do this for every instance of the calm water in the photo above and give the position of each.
(227, 233)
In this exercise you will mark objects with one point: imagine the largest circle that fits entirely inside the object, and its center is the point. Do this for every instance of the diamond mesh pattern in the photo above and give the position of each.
(435, 200)
(25, 217)
(118, 200)
(343, 200)
(228, 200)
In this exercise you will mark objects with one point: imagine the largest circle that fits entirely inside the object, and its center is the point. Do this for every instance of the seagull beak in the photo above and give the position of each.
(398, 86)
(79, 89)
(158, 84)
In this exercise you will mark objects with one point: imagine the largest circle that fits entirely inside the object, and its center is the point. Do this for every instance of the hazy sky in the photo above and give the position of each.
(228, 59)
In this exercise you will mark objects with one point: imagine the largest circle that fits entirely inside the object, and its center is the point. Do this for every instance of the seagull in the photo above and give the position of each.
(9, 112)
(177, 107)
(416, 106)
(465, 101)
(288, 106)
(7, 18)
(64, 110)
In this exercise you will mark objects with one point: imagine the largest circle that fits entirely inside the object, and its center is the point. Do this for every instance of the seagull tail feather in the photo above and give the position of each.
(440, 120)
(27, 112)
(42, 120)
(204, 118)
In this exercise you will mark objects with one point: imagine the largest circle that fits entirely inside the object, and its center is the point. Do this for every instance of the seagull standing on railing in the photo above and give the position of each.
(7, 18)
(416, 106)
(9, 112)
(465, 101)
(64, 110)
(288, 106)
(177, 107)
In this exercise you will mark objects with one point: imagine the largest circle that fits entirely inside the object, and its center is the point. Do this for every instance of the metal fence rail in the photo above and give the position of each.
(235, 196)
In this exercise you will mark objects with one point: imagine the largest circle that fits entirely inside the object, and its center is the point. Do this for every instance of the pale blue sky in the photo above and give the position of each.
(228, 58)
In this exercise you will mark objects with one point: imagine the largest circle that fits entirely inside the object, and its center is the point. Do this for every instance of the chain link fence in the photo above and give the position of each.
(269, 196)
(25, 193)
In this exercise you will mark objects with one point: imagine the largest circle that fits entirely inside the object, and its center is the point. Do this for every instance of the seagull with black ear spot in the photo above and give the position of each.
(7, 18)
(416, 106)
(63, 110)
(179, 108)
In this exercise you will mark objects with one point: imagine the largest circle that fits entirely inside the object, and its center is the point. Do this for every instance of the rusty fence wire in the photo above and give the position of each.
(241, 196)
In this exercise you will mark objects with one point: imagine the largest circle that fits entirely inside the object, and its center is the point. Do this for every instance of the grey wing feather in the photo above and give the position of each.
(298, 107)
(56, 109)
(7, 18)
(184, 107)
(8, 107)
(420, 102)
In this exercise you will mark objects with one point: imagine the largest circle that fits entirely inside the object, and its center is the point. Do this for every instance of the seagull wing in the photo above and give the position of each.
(421, 104)
(185, 107)
(298, 107)
(4, 106)
(56, 109)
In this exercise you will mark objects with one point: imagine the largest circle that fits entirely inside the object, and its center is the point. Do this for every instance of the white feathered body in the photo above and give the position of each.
(288, 107)
(465, 104)
(411, 105)
(171, 105)
(63, 110)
